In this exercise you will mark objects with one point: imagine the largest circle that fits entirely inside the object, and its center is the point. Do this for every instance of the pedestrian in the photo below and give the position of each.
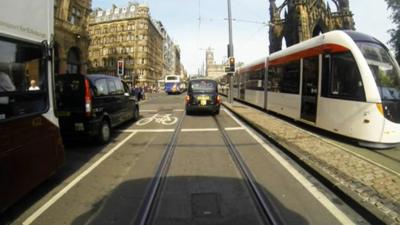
(142, 92)
(33, 86)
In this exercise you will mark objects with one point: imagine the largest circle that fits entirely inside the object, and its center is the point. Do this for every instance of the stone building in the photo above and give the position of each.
(304, 19)
(71, 37)
(130, 35)
(213, 70)
(169, 53)
(176, 59)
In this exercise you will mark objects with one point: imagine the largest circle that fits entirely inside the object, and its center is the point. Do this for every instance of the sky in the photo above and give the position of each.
(198, 24)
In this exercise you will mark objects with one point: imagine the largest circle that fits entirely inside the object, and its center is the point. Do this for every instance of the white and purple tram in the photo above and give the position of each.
(341, 81)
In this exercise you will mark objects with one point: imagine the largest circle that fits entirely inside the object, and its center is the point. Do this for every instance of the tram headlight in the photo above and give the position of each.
(380, 108)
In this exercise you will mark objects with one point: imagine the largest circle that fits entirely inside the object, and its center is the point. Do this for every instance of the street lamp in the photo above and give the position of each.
(230, 54)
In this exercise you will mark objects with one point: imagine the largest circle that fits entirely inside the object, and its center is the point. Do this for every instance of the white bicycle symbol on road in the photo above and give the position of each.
(166, 119)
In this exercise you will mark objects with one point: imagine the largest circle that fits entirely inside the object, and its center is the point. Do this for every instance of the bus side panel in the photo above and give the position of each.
(360, 120)
(284, 104)
(27, 156)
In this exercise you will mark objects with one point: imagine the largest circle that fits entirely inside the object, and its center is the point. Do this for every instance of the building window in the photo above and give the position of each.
(75, 16)
(73, 61)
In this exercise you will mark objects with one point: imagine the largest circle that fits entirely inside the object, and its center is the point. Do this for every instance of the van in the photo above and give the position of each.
(89, 106)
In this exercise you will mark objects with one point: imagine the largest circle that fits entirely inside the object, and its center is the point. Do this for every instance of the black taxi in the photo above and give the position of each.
(202, 96)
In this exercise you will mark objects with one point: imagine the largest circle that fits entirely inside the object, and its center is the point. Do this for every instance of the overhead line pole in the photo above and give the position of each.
(230, 53)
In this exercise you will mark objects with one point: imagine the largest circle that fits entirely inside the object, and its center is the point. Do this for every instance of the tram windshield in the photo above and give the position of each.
(384, 69)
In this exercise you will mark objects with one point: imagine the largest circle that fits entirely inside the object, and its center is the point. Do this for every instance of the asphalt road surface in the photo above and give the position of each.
(203, 185)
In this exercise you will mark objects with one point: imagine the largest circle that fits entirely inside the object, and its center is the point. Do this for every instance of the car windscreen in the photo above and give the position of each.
(203, 86)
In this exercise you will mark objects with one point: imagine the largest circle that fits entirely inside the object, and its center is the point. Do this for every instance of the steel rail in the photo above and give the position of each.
(263, 203)
(150, 203)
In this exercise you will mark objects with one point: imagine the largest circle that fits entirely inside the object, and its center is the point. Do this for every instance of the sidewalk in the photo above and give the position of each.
(376, 189)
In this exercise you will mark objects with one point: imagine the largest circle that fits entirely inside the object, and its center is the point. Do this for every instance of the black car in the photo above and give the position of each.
(89, 106)
(202, 96)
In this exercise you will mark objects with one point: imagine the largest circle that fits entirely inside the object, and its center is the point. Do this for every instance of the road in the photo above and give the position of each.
(203, 185)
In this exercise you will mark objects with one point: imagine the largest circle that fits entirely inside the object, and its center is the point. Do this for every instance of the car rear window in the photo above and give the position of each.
(70, 91)
(203, 85)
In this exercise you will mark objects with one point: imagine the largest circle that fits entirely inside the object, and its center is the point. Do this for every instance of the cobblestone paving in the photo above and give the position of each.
(376, 188)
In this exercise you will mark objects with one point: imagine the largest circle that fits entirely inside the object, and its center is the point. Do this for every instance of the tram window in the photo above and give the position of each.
(255, 80)
(274, 78)
(23, 81)
(310, 75)
(291, 78)
(344, 78)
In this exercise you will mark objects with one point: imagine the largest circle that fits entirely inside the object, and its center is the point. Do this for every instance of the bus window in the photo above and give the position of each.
(23, 82)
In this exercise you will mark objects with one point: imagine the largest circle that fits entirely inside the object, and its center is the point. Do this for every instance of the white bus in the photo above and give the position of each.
(174, 84)
(30, 143)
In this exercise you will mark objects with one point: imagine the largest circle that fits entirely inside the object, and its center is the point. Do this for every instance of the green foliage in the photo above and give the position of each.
(394, 5)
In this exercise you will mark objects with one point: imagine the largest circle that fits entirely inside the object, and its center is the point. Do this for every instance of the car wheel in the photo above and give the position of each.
(188, 112)
(104, 134)
(136, 114)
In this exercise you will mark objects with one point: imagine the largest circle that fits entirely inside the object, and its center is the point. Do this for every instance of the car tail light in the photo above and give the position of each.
(219, 99)
(88, 99)
(187, 99)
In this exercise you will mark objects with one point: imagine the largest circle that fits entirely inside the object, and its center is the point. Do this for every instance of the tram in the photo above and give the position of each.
(345, 82)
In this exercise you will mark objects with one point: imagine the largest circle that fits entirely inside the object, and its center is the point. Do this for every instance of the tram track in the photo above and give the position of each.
(333, 187)
(147, 212)
(264, 206)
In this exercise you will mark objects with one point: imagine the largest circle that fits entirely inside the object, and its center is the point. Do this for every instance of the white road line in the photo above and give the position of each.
(148, 110)
(61, 193)
(178, 110)
(200, 130)
(322, 198)
(234, 128)
(147, 130)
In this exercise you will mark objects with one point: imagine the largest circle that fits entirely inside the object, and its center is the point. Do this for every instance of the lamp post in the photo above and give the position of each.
(230, 53)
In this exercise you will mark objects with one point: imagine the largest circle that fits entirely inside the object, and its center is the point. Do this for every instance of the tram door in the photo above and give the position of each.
(309, 95)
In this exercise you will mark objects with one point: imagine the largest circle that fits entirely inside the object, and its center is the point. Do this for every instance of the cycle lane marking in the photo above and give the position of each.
(164, 119)
(63, 191)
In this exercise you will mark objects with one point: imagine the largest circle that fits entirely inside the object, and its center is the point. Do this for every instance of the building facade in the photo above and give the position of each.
(71, 37)
(169, 51)
(127, 35)
(213, 70)
(304, 19)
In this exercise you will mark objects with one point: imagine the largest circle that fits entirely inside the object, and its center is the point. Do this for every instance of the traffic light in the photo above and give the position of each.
(232, 64)
(120, 67)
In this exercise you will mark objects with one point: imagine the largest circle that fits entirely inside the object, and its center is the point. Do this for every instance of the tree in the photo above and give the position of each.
(394, 5)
